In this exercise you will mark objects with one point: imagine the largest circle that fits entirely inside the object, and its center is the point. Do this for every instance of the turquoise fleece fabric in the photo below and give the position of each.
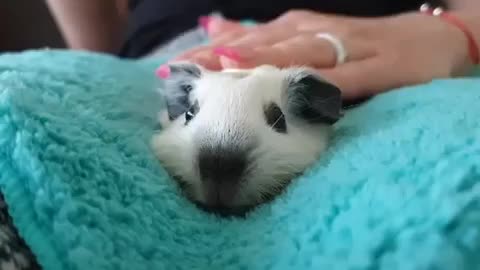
(399, 188)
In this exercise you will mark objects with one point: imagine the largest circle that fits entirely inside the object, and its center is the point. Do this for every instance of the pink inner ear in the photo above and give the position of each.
(163, 71)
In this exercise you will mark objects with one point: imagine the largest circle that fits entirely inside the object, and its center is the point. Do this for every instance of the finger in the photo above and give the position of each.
(314, 51)
(215, 27)
(220, 40)
(204, 58)
(364, 78)
(229, 36)
(295, 16)
(267, 34)
(242, 57)
(300, 50)
(192, 52)
(254, 37)
(207, 60)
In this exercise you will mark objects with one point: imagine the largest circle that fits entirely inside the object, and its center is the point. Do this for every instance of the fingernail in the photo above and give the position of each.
(163, 71)
(227, 63)
(204, 22)
(234, 54)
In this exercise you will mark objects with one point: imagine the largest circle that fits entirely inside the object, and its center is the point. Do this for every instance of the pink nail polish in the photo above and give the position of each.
(204, 22)
(229, 53)
(163, 71)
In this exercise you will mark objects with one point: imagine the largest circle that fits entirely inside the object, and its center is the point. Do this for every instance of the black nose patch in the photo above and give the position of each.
(222, 164)
(221, 171)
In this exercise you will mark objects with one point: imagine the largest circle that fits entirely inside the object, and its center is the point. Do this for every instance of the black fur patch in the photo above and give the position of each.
(314, 100)
(187, 69)
(178, 87)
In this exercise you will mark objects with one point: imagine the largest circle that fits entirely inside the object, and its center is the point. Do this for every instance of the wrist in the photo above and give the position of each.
(464, 57)
(472, 23)
(464, 23)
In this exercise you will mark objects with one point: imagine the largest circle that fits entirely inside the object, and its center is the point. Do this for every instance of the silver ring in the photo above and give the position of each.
(341, 52)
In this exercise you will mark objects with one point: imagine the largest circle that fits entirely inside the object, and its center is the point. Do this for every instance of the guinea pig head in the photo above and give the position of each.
(235, 139)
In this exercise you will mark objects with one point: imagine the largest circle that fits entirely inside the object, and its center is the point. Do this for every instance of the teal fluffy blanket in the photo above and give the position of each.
(398, 189)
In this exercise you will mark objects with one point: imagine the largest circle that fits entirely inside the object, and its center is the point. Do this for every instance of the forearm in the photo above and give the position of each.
(463, 4)
(89, 24)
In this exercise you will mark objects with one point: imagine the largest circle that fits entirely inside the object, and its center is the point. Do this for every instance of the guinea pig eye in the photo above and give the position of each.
(275, 118)
(191, 112)
(187, 88)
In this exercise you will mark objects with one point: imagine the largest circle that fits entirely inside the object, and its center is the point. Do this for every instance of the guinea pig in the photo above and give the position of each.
(234, 139)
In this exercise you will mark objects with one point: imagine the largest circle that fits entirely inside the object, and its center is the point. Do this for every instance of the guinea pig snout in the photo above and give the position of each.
(222, 170)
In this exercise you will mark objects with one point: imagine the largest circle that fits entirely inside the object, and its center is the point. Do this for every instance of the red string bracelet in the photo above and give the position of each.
(472, 44)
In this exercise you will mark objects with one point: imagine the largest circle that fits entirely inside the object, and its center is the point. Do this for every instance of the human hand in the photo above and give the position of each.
(225, 34)
(383, 53)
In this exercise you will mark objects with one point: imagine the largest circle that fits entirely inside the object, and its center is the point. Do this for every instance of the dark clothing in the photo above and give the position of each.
(154, 22)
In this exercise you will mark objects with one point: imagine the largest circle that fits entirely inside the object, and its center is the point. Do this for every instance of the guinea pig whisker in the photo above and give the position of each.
(268, 191)
(278, 119)
(266, 197)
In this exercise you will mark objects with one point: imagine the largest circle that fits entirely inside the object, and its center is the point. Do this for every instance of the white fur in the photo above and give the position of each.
(231, 108)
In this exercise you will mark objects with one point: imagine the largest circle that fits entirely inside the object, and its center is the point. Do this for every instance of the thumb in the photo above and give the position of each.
(358, 79)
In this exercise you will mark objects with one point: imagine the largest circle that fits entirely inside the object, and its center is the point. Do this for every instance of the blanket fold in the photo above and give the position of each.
(399, 188)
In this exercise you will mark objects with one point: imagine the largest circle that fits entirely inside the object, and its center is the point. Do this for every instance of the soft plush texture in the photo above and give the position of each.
(398, 189)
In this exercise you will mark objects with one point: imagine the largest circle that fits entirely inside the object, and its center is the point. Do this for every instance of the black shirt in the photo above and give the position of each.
(153, 22)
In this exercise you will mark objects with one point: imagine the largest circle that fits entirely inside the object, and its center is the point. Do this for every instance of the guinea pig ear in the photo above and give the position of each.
(179, 81)
(311, 98)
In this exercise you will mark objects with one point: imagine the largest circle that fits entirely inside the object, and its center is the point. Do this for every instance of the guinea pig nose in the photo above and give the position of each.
(221, 171)
(220, 194)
